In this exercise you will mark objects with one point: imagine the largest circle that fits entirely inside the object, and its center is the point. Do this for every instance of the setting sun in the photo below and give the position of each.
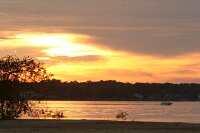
(60, 44)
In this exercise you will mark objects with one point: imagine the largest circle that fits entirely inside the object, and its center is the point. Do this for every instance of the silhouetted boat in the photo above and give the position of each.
(166, 103)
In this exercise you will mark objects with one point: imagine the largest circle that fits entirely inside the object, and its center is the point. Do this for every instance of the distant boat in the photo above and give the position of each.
(166, 103)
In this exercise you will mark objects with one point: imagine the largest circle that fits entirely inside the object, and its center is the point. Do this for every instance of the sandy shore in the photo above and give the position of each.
(87, 126)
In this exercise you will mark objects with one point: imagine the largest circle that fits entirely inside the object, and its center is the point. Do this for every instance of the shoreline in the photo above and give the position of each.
(110, 100)
(94, 126)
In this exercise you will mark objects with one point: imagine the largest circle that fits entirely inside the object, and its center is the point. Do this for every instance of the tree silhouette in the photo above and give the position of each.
(14, 72)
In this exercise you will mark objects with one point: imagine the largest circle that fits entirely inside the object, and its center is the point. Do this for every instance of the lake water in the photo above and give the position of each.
(138, 111)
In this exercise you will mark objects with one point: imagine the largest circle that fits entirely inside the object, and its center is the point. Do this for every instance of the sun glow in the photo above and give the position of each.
(75, 57)
(63, 44)
(49, 40)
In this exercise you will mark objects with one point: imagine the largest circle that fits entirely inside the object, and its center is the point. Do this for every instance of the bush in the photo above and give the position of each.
(122, 115)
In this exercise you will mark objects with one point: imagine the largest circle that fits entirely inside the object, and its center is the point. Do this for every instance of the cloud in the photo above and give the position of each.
(4, 38)
(150, 42)
(21, 51)
(87, 58)
(184, 80)
(185, 71)
(147, 27)
(66, 59)
(131, 73)
(194, 66)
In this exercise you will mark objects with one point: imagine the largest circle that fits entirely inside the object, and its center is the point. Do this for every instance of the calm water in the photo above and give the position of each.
(138, 111)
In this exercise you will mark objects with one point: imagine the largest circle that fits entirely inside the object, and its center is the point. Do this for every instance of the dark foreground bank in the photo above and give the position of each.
(87, 126)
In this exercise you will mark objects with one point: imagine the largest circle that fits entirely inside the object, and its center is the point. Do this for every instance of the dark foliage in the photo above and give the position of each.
(112, 90)
(14, 74)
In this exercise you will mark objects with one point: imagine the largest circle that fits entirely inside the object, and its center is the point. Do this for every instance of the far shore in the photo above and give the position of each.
(103, 100)
(94, 126)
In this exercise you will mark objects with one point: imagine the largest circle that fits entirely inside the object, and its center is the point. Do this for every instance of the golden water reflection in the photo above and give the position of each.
(138, 111)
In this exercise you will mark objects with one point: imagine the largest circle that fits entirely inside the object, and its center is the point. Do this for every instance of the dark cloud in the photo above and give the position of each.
(165, 28)
(147, 42)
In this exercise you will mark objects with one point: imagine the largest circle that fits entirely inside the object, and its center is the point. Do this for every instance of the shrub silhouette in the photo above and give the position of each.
(122, 115)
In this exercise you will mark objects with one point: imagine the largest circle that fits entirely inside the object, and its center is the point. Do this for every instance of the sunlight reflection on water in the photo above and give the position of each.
(138, 111)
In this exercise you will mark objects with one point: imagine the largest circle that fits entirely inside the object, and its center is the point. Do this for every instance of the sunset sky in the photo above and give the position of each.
(123, 40)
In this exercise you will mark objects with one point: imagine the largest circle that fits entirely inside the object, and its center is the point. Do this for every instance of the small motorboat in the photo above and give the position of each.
(166, 103)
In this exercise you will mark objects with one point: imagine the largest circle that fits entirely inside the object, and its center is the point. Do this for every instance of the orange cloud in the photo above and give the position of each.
(75, 57)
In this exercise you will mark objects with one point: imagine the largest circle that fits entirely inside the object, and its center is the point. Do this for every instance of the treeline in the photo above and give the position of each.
(110, 90)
